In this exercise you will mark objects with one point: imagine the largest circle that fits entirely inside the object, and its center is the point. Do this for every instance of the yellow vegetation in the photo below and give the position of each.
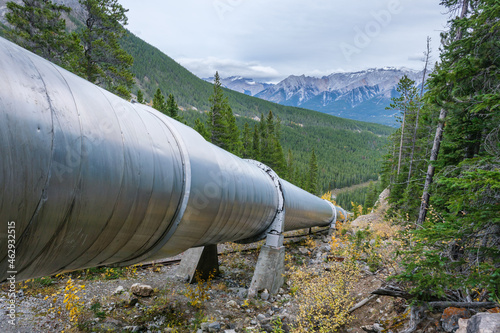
(198, 294)
(72, 305)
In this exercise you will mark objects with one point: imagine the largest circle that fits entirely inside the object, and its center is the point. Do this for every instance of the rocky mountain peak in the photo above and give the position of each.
(355, 95)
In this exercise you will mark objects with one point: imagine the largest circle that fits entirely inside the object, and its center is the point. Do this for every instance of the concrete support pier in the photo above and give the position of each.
(269, 270)
(199, 260)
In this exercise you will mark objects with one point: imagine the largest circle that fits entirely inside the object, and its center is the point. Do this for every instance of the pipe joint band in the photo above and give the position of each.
(274, 232)
(333, 222)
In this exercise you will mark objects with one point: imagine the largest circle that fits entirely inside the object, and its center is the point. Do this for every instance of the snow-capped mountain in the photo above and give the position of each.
(359, 95)
(354, 88)
(242, 85)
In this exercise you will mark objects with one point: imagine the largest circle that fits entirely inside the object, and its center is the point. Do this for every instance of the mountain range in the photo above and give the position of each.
(361, 95)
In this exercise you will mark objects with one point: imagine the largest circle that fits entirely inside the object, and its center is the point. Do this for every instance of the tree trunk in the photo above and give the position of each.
(427, 54)
(469, 305)
(437, 141)
(401, 142)
(430, 170)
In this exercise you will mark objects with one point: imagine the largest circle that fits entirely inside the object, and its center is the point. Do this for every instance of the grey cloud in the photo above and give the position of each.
(208, 66)
(273, 39)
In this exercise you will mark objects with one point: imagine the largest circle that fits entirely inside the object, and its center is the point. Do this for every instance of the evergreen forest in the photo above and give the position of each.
(443, 164)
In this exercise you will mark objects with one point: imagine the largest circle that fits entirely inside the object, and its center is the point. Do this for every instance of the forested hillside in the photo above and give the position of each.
(444, 165)
(349, 152)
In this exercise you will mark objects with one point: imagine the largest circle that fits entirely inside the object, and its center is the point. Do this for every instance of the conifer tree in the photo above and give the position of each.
(159, 101)
(105, 62)
(263, 135)
(217, 123)
(454, 251)
(140, 96)
(200, 128)
(312, 177)
(371, 197)
(270, 124)
(269, 144)
(172, 109)
(279, 161)
(408, 104)
(246, 142)
(256, 143)
(234, 144)
(39, 27)
(290, 167)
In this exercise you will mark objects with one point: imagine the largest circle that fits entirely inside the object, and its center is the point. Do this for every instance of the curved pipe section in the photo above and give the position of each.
(90, 179)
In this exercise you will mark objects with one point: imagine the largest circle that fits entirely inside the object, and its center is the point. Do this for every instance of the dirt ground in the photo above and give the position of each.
(223, 306)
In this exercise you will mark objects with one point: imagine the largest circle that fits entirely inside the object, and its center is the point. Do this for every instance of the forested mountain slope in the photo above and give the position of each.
(348, 151)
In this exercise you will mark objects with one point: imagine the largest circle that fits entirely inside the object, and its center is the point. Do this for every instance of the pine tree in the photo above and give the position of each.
(159, 101)
(279, 161)
(264, 142)
(256, 143)
(172, 109)
(217, 123)
(200, 128)
(408, 104)
(140, 96)
(290, 167)
(39, 27)
(455, 249)
(247, 151)
(233, 144)
(105, 62)
(371, 197)
(312, 177)
(270, 125)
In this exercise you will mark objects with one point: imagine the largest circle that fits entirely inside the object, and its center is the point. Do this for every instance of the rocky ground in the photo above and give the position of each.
(226, 307)
(112, 301)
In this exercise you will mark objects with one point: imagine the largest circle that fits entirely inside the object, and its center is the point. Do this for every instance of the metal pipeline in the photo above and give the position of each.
(88, 179)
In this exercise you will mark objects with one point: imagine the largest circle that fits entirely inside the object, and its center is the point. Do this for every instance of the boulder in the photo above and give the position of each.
(263, 319)
(126, 299)
(141, 290)
(462, 325)
(375, 328)
(119, 290)
(232, 304)
(450, 317)
(214, 327)
(303, 250)
(265, 295)
(484, 323)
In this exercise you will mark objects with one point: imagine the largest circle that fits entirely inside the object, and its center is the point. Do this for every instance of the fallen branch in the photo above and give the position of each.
(361, 303)
(393, 292)
(472, 305)
(416, 317)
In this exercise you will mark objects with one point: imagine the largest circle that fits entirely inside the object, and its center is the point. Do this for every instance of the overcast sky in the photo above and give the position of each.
(270, 40)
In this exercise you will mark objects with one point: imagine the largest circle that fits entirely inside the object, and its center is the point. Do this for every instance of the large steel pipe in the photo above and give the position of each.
(88, 179)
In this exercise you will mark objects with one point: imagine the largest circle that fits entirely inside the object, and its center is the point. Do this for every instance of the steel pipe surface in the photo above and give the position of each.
(89, 179)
